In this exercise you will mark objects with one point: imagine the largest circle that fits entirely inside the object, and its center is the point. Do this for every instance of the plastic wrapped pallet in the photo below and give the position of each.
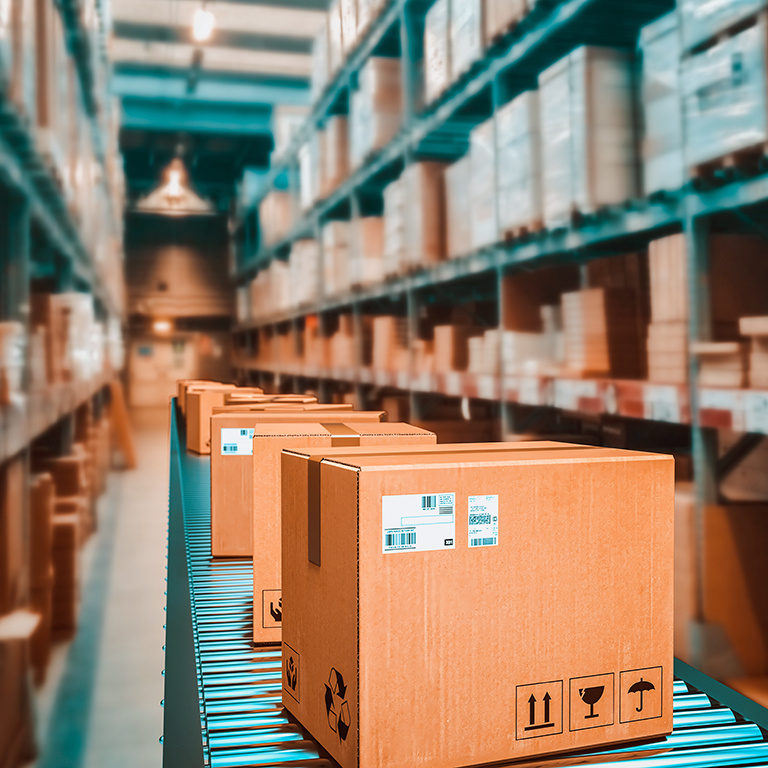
(394, 227)
(588, 139)
(724, 96)
(335, 38)
(310, 171)
(320, 61)
(348, 9)
(663, 159)
(437, 59)
(368, 251)
(518, 138)
(482, 209)
(335, 160)
(424, 214)
(466, 18)
(457, 203)
(502, 15)
(705, 19)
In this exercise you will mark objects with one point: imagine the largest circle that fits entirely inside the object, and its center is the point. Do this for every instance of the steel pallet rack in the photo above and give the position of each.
(223, 706)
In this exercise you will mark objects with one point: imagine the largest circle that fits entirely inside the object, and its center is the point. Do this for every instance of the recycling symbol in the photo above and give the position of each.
(291, 673)
(336, 705)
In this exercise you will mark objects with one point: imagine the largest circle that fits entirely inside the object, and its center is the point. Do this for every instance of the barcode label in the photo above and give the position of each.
(483, 521)
(418, 522)
(236, 441)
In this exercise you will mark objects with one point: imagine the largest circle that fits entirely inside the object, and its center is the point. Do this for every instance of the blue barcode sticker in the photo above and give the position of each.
(418, 522)
(236, 441)
(483, 520)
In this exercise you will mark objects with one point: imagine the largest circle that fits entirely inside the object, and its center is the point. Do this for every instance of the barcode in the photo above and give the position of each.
(447, 510)
(400, 539)
(244, 433)
(491, 541)
(229, 448)
(428, 502)
(483, 518)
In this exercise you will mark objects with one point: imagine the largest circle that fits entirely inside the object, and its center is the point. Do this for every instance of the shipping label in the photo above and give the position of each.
(418, 522)
(483, 520)
(236, 442)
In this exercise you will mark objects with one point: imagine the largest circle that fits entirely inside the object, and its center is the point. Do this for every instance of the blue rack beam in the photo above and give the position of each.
(225, 711)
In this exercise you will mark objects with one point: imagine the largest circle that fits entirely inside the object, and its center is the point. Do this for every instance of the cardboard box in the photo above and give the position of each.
(41, 530)
(437, 51)
(424, 214)
(503, 15)
(278, 408)
(457, 202)
(13, 507)
(268, 442)
(232, 495)
(387, 637)
(66, 528)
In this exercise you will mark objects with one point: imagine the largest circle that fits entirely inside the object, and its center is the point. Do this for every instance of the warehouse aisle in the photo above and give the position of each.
(106, 711)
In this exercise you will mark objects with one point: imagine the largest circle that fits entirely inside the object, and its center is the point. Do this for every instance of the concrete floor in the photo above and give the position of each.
(101, 703)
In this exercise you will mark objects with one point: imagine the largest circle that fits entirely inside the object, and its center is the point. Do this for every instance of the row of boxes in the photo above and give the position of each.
(358, 524)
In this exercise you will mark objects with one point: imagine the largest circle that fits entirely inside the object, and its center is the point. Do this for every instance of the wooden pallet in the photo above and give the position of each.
(523, 231)
(745, 162)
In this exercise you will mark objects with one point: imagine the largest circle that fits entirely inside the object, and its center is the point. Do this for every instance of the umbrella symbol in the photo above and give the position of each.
(641, 686)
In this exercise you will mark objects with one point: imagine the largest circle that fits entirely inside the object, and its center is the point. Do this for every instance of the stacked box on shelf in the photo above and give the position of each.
(314, 353)
(41, 570)
(336, 258)
(311, 170)
(242, 304)
(452, 346)
(519, 181)
(335, 154)
(367, 266)
(341, 344)
(437, 53)
(722, 363)
(483, 353)
(390, 343)
(13, 564)
(288, 120)
(275, 216)
(320, 61)
(19, 75)
(466, 43)
(482, 211)
(701, 21)
(588, 134)
(756, 328)
(65, 557)
(395, 214)
(13, 344)
(668, 330)
(663, 153)
(424, 214)
(503, 15)
(335, 38)
(375, 108)
(423, 356)
(348, 11)
(305, 272)
(458, 197)
(726, 111)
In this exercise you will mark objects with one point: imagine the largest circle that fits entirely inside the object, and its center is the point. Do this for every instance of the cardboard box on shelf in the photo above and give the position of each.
(432, 527)
(232, 472)
(395, 213)
(65, 556)
(482, 210)
(348, 10)
(41, 506)
(722, 364)
(336, 257)
(502, 15)
(320, 61)
(437, 52)
(13, 345)
(13, 505)
(757, 329)
(390, 343)
(424, 215)
(458, 196)
(269, 440)
(452, 346)
(368, 251)
(335, 149)
(466, 43)
(335, 38)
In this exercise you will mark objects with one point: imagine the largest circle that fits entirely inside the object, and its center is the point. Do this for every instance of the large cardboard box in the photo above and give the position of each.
(532, 586)
(13, 560)
(232, 495)
(268, 442)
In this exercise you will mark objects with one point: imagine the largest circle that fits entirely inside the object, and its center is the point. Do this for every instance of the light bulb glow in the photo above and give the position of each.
(202, 25)
(161, 326)
(174, 188)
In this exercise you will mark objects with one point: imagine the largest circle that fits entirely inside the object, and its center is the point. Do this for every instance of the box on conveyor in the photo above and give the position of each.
(200, 404)
(268, 442)
(528, 584)
(232, 476)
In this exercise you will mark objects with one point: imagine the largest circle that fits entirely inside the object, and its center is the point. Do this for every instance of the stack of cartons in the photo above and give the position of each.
(305, 272)
(519, 182)
(368, 251)
(314, 354)
(722, 364)
(483, 353)
(275, 216)
(756, 328)
(370, 536)
(269, 440)
(232, 474)
(65, 556)
(335, 154)
(466, 21)
(336, 258)
(50, 311)
(395, 214)
(437, 53)
(12, 535)
(41, 570)
(311, 176)
(482, 211)
(458, 197)
(341, 346)
(668, 330)
(663, 160)
(424, 215)
(390, 343)
(72, 493)
(320, 62)
(503, 15)
(588, 135)
(182, 385)
(452, 346)
(423, 356)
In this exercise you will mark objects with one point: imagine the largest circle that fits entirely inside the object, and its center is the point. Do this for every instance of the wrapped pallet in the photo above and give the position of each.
(437, 59)
(588, 138)
(320, 62)
(310, 171)
(466, 20)
(663, 156)
(725, 92)
(457, 202)
(394, 227)
(503, 15)
(482, 210)
(519, 182)
(701, 21)
(424, 214)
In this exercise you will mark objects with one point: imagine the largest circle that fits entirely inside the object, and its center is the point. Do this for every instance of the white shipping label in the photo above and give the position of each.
(236, 442)
(483, 521)
(418, 522)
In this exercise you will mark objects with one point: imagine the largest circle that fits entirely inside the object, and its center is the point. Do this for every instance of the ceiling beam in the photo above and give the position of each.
(160, 33)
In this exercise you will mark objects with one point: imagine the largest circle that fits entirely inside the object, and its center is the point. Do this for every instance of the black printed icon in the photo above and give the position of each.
(532, 725)
(277, 613)
(271, 608)
(539, 709)
(448, 542)
(591, 696)
(336, 705)
(291, 671)
(641, 686)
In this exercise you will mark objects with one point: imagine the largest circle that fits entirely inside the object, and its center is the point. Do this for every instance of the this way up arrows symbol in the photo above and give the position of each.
(532, 713)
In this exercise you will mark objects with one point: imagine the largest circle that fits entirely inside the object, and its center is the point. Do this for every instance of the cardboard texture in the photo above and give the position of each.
(232, 478)
(268, 442)
(555, 625)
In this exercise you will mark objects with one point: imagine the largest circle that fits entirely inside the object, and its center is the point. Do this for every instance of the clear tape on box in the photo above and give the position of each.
(704, 19)
(519, 162)
(724, 97)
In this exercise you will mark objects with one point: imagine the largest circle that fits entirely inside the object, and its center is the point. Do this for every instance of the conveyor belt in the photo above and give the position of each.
(241, 716)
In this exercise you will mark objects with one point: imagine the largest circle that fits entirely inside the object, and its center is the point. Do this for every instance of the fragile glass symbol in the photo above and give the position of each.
(591, 696)
(641, 686)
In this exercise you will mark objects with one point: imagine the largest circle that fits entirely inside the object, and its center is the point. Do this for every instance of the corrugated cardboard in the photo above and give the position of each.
(268, 442)
(477, 654)
(232, 471)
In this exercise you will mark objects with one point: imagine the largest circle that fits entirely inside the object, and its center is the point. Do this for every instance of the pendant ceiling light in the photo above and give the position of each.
(174, 196)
